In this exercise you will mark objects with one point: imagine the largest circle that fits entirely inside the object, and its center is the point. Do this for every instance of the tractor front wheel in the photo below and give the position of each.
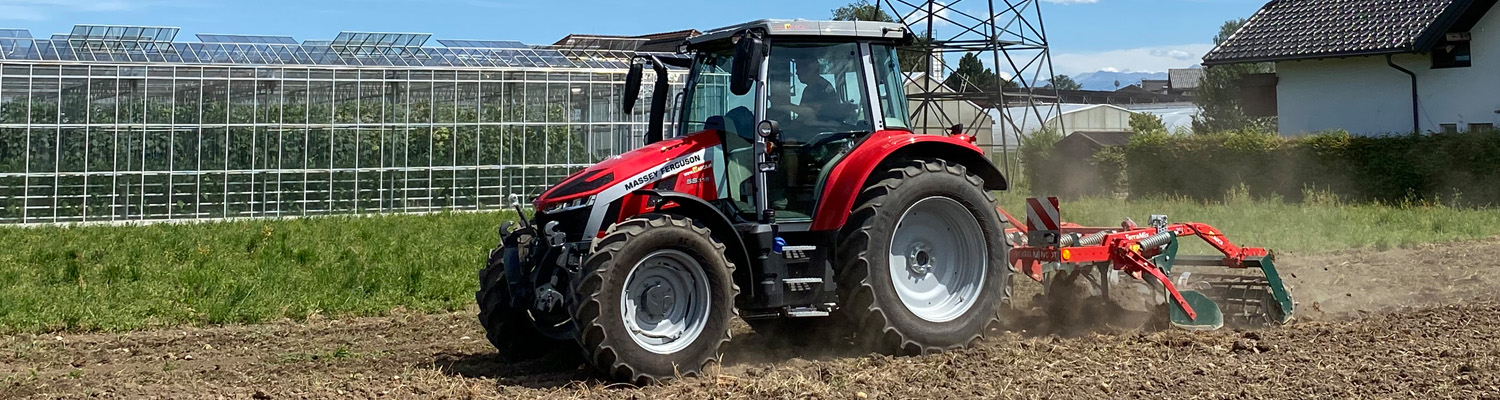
(923, 260)
(510, 329)
(655, 301)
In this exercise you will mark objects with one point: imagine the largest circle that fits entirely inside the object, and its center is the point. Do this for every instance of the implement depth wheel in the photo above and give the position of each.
(922, 262)
(655, 300)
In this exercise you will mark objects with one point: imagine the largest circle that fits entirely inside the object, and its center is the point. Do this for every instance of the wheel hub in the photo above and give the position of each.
(657, 300)
(920, 259)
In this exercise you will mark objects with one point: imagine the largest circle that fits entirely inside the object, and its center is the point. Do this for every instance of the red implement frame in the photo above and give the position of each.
(1123, 250)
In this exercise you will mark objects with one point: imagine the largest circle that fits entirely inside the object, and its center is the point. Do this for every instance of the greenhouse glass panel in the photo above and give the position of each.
(120, 123)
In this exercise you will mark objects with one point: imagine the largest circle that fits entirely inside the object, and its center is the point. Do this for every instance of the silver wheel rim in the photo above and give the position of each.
(938, 259)
(665, 302)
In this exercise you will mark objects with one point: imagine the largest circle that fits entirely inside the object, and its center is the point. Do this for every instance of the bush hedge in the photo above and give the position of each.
(1446, 168)
(1449, 168)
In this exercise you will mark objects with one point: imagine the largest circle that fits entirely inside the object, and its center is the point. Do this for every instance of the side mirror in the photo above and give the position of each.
(768, 129)
(632, 86)
(746, 67)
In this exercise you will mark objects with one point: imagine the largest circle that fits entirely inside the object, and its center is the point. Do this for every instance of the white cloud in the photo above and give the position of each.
(1145, 59)
(1072, 1)
(36, 10)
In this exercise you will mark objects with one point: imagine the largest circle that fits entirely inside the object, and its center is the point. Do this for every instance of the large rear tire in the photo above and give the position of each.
(509, 329)
(655, 301)
(923, 260)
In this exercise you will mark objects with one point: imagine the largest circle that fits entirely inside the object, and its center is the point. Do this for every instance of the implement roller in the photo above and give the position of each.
(1058, 254)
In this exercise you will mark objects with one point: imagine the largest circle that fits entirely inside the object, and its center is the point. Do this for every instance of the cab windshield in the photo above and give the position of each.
(708, 103)
(709, 97)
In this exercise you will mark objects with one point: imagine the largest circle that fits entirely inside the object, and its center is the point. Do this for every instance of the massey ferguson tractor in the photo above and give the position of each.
(792, 194)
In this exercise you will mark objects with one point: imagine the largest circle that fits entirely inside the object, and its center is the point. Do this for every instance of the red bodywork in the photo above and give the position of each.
(848, 177)
(635, 162)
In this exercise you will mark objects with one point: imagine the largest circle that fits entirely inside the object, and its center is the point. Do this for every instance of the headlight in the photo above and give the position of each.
(571, 205)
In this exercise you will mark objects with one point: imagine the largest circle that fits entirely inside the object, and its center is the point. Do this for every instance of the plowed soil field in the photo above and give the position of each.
(1411, 323)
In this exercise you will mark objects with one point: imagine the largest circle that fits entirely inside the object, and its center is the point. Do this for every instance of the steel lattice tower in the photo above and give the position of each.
(1010, 35)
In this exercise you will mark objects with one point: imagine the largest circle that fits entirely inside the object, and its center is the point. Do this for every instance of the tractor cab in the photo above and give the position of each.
(791, 97)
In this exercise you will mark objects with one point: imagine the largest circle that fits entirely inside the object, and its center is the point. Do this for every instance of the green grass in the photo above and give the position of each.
(116, 278)
(1316, 227)
(119, 278)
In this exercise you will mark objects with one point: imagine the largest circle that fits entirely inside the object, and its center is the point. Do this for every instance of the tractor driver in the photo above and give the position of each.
(817, 92)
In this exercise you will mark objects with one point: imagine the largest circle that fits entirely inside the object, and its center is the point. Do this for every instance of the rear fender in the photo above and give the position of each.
(880, 151)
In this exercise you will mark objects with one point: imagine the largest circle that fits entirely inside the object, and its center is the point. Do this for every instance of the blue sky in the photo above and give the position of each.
(1086, 35)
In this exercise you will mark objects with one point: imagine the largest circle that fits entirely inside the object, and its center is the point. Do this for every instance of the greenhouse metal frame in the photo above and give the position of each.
(120, 123)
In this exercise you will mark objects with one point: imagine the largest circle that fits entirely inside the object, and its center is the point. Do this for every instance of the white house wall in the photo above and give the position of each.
(1365, 96)
(1075, 118)
(1096, 119)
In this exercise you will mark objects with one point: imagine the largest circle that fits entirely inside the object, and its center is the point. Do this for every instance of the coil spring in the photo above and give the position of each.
(1092, 239)
(1157, 240)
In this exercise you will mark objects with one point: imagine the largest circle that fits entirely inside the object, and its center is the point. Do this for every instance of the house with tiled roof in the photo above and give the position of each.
(1184, 81)
(1374, 66)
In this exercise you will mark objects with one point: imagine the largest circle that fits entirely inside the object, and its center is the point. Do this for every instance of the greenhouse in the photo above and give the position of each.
(125, 123)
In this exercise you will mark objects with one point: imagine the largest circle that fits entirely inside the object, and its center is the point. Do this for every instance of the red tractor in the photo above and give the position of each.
(793, 191)
(795, 195)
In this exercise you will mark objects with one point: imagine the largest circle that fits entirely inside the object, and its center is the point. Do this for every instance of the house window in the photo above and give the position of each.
(1482, 127)
(1449, 128)
(1452, 53)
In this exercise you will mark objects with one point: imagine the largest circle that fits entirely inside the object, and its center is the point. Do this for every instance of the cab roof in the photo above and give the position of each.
(805, 28)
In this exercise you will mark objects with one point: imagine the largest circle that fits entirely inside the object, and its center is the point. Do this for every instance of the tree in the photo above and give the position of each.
(972, 76)
(1144, 122)
(861, 11)
(1219, 93)
(1063, 82)
(913, 58)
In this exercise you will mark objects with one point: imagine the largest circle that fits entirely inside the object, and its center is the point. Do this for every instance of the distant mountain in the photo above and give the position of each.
(1105, 80)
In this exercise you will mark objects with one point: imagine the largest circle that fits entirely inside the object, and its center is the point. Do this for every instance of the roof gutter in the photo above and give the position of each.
(1345, 54)
(1416, 125)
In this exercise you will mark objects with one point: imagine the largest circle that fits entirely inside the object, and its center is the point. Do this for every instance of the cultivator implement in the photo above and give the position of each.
(1252, 295)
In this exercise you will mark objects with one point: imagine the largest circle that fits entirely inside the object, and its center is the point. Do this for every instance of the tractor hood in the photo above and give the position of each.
(625, 173)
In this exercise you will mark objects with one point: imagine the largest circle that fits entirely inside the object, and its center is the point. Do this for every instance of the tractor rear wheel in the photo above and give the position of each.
(655, 301)
(923, 260)
(509, 329)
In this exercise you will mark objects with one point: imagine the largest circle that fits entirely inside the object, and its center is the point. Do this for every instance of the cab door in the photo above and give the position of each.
(816, 92)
